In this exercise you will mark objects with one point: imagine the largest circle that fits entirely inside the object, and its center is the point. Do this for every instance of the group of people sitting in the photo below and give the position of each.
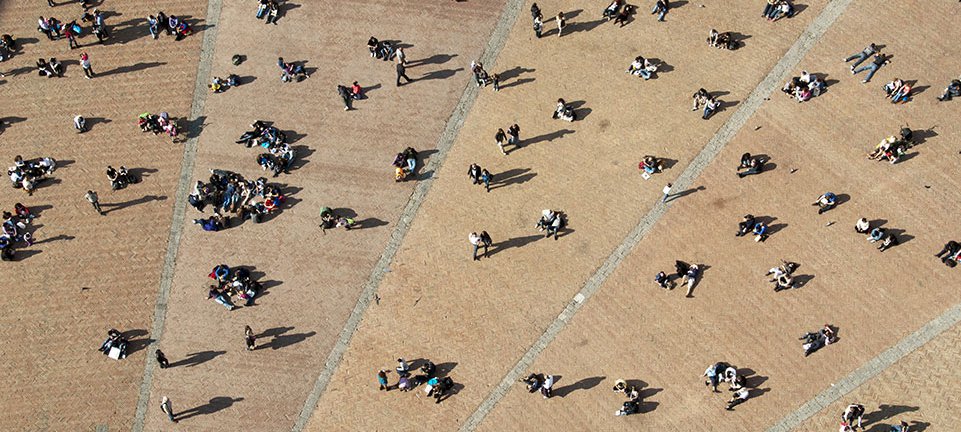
(893, 147)
(230, 282)
(642, 67)
(268, 9)
(953, 90)
(280, 154)
(724, 372)
(219, 85)
(171, 25)
(26, 174)
(751, 165)
(876, 234)
(825, 202)
(50, 69)
(804, 87)
(705, 99)
(481, 77)
(15, 230)
(540, 382)
(619, 11)
(350, 94)
(650, 165)
(632, 406)
(552, 222)
(115, 346)
(564, 111)
(405, 164)
(291, 71)
(751, 225)
(721, 40)
(119, 179)
(436, 386)
(229, 192)
(8, 46)
(158, 124)
(897, 90)
(782, 276)
(384, 50)
(814, 341)
(329, 219)
(687, 273)
(950, 254)
(777, 9)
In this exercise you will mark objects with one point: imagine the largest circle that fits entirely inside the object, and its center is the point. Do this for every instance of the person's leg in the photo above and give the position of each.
(861, 58)
(644, 74)
(487, 183)
(767, 10)
(872, 68)
(661, 16)
(96, 206)
(475, 252)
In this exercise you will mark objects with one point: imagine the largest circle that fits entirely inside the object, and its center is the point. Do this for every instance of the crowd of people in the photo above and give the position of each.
(436, 385)
(231, 194)
(279, 156)
(804, 87)
(15, 230)
(158, 124)
(893, 147)
(405, 164)
(230, 282)
(172, 26)
(26, 174)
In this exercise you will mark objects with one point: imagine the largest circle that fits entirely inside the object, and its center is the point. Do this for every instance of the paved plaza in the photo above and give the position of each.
(340, 305)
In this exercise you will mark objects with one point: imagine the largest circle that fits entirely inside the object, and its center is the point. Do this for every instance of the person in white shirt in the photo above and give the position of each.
(738, 398)
(546, 386)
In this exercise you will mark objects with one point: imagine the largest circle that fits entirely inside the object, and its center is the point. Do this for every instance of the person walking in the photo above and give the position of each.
(477, 242)
(560, 23)
(85, 64)
(162, 359)
(249, 338)
(401, 73)
(538, 25)
(80, 123)
(166, 407)
(474, 172)
(382, 380)
(667, 192)
(501, 138)
(486, 177)
(94, 200)
(514, 135)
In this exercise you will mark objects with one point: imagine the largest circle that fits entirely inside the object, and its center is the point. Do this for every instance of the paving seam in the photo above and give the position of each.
(212, 20)
(445, 142)
(778, 74)
(871, 369)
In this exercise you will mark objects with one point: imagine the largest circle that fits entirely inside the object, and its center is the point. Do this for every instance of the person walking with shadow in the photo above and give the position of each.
(402, 73)
(166, 407)
(162, 359)
(94, 200)
(249, 338)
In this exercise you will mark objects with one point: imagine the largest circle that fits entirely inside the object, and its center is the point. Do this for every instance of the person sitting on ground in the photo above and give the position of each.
(949, 254)
(862, 226)
(825, 202)
(291, 71)
(114, 340)
(738, 398)
(642, 67)
(892, 87)
(754, 166)
(721, 40)
(814, 341)
(853, 414)
(890, 241)
(760, 231)
(405, 163)
(611, 10)
(533, 382)
(876, 235)
(902, 94)
(952, 91)
(372, 45)
(551, 221)
(624, 14)
(784, 9)
(564, 111)
(663, 280)
(356, 91)
(745, 225)
(651, 164)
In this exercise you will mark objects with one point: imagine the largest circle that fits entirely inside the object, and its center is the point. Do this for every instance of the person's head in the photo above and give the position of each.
(560, 101)
(355, 83)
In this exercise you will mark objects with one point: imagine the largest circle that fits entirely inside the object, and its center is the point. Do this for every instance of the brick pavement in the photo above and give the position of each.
(345, 164)
(505, 315)
(735, 317)
(87, 273)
